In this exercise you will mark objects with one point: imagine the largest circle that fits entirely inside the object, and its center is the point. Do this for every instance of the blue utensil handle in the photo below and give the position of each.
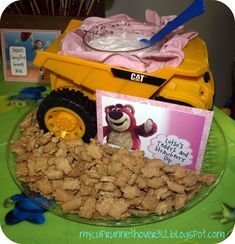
(195, 9)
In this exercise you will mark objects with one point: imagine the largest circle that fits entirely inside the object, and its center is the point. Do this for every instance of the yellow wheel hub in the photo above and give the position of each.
(64, 123)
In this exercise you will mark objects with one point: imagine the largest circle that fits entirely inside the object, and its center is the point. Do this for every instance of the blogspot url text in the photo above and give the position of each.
(157, 234)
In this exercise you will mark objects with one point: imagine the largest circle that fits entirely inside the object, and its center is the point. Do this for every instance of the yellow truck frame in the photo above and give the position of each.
(69, 110)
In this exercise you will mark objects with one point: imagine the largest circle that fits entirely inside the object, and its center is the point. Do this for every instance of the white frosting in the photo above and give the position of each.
(117, 42)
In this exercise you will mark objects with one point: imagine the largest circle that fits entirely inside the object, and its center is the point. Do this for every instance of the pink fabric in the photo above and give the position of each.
(170, 54)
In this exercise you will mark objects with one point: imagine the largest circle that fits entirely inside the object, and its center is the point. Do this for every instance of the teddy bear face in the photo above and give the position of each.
(120, 117)
(121, 128)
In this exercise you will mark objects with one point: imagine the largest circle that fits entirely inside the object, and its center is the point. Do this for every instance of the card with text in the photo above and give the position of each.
(18, 52)
(173, 133)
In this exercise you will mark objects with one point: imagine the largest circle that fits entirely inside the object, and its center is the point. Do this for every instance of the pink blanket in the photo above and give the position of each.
(170, 54)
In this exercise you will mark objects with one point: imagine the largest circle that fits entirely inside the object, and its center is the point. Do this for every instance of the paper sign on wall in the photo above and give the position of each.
(18, 60)
(173, 133)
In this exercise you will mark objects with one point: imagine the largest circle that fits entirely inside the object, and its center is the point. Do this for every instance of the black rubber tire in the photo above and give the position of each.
(75, 101)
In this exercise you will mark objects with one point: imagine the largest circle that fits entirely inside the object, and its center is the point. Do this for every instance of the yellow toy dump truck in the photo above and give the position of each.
(69, 110)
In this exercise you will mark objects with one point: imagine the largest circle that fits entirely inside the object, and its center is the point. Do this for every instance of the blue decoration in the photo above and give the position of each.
(26, 208)
(34, 93)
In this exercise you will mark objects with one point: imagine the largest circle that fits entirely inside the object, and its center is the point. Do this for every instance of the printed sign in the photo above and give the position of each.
(173, 133)
(18, 60)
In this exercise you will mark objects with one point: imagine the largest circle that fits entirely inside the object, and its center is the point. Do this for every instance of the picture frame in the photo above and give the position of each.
(19, 47)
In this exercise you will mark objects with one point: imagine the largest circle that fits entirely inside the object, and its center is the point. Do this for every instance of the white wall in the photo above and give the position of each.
(216, 26)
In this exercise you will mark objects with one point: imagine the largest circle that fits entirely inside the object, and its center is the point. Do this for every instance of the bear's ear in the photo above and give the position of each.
(129, 108)
(106, 109)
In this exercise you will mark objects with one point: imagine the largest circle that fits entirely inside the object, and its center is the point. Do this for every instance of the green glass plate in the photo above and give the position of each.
(214, 162)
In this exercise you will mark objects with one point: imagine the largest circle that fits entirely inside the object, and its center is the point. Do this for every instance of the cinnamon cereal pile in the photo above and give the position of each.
(98, 181)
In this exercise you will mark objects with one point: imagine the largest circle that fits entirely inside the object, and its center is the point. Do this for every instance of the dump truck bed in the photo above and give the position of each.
(90, 75)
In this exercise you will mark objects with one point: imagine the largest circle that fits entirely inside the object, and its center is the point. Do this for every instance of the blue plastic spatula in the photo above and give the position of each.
(195, 9)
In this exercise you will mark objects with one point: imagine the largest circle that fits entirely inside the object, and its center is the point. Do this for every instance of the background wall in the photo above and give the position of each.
(216, 26)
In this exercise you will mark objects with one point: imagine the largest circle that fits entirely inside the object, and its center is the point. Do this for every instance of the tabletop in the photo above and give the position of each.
(192, 226)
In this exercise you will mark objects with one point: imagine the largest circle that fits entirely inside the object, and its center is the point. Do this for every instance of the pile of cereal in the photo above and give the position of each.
(98, 181)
